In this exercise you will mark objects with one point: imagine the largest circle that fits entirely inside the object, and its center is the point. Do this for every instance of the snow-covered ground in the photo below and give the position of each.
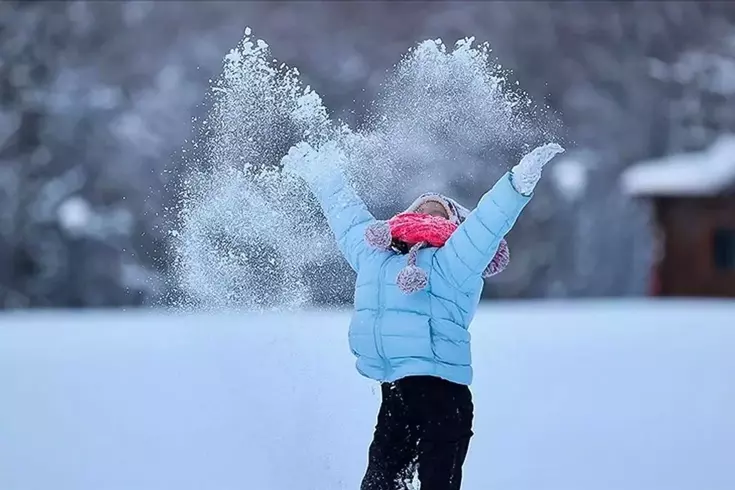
(575, 396)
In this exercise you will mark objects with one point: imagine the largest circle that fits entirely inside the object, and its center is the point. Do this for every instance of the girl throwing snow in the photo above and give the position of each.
(419, 279)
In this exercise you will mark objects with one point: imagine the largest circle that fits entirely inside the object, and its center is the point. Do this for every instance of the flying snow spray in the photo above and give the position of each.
(251, 237)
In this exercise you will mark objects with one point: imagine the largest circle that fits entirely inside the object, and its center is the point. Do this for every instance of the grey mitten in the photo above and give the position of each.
(527, 173)
(312, 164)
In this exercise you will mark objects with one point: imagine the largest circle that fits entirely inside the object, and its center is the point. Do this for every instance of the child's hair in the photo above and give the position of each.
(399, 246)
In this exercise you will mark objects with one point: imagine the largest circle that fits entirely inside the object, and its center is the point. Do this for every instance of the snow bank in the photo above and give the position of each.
(687, 174)
(598, 396)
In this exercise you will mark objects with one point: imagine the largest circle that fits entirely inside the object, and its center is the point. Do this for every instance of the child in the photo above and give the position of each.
(409, 330)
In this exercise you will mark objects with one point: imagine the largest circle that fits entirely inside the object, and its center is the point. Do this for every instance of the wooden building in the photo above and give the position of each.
(694, 200)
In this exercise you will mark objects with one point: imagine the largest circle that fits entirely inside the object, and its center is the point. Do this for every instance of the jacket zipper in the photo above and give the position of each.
(377, 336)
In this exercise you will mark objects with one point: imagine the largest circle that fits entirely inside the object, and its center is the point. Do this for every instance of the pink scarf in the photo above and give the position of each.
(413, 228)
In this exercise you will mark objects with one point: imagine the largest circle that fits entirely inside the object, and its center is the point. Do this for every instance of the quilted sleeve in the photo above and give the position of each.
(472, 246)
(346, 214)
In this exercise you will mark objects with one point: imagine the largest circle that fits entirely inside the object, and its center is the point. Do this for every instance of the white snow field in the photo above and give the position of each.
(620, 395)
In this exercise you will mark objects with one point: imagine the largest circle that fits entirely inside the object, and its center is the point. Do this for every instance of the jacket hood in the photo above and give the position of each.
(456, 212)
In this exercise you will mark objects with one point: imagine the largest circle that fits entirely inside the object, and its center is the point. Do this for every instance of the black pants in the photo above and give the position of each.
(424, 424)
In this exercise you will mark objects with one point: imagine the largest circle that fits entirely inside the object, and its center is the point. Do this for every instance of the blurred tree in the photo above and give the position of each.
(89, 121)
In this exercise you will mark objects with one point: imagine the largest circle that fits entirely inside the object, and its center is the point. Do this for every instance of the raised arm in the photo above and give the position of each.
(346, 213)
(469, 250)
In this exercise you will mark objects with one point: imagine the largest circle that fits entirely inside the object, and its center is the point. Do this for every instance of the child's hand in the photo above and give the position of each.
(298, 160)
(527, 173)
(308, 163)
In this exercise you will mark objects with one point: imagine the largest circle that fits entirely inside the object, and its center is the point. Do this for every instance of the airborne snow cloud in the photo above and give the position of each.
(248, 232)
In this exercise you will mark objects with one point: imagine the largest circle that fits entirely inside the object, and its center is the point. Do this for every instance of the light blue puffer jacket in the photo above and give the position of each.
(393, 334)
